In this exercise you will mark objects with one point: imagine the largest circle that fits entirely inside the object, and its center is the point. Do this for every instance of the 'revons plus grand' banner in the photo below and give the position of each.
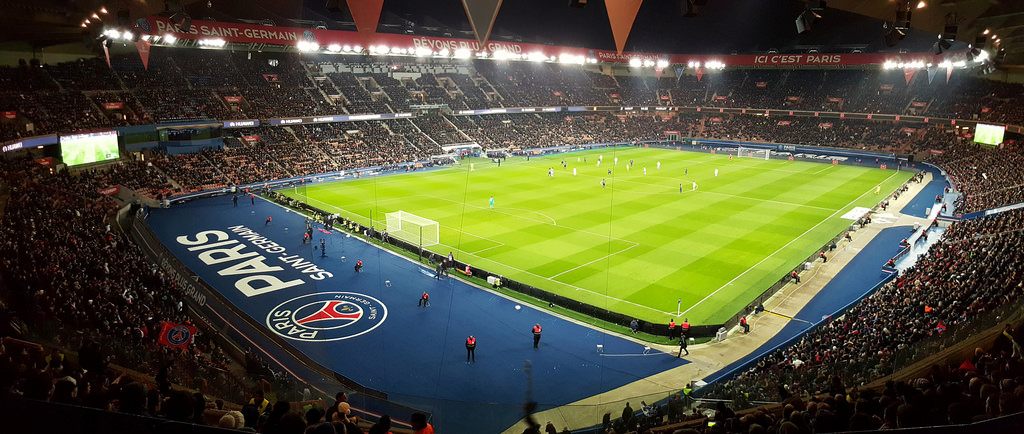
(277, 35)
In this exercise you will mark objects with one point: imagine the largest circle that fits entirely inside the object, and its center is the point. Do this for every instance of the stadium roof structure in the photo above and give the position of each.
(661, 26)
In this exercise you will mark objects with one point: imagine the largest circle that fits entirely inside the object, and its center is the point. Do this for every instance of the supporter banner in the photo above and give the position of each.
(366, 14)
(761, 84)
(835, 99)
(825, 125)
(481, 15)
(720, 98)
(177, 336)
(110, 191)
(919, 104)
(277, 35)
(986, 109)
(908, 130)
(233, 99)
(46, 161)
(715, 119)
(115, 105)
(143, 48)
(885, 87)
(251, 138)
(621, 15)
(271, 78)
(10, 114)
(665, 98)
(936, 151)
(793, 98)
(785, 123)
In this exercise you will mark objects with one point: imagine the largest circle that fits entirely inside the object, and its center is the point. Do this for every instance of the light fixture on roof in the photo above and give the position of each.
(921, 4)
(169, 38)
(636, 62)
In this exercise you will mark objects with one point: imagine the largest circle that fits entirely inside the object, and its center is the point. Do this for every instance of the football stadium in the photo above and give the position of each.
(523, 216)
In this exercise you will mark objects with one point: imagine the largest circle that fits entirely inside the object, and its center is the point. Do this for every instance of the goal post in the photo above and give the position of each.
(412, 228)
(761, 154)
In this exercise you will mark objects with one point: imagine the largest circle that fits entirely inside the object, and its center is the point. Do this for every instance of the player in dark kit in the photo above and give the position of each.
(471, 349)
(536, 335)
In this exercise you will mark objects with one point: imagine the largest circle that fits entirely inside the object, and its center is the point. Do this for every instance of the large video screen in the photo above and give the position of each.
(88, 148)
(989, 134)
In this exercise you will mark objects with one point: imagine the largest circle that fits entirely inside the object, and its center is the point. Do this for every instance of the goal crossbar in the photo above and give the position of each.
(413, 229)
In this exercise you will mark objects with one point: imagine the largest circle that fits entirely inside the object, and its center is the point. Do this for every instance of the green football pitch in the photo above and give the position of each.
(637, 245)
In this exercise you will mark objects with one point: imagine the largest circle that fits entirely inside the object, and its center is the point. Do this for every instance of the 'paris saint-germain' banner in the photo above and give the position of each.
(277, 35)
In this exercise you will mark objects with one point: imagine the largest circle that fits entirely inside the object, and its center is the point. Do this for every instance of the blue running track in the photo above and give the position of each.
(374, 333)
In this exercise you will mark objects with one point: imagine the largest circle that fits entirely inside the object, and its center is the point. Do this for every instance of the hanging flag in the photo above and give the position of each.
(658, 72)
(931, 73)
(144, 49)
(700, 73)
(106, 53)
(481, 14)
(908, 74)
(621, 14)
(679, 72)
(366, 14)
(949, 72)
(177, 336)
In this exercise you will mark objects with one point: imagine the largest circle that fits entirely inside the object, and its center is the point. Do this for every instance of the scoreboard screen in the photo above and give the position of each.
(77, 149)
(991, 135)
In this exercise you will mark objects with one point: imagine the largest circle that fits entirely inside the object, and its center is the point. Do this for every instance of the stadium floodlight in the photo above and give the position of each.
(921, 4)
(84, 25)
(423, 51)
(648, 63)
(103, 10)
(502, 55)
(635, 62)
(357, 49)
(591, 60)
(307, 46)
(481, 54)
(346, 48)
(463, 53)
(413, 229)
(127, 35)
(714, 64)
(94, 16)
(662, 63)
(981, 56)
(169, 38)
(334, 48)
(537, 56)
(212, 42)
(443, 52)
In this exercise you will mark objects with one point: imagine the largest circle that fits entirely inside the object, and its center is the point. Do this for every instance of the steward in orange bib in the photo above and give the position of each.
(536, 335)
(471, 349)
(424, 300)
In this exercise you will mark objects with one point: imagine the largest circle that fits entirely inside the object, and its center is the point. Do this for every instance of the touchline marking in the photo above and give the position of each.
(596, 260)
(782, 248)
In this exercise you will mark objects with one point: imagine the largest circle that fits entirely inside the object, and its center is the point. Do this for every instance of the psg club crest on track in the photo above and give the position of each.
(327, 316)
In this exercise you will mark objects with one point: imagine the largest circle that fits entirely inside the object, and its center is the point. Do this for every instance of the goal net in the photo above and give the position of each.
(762, 154)
(412, 228)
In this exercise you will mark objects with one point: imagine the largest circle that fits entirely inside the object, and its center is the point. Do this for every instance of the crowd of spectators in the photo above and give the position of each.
(77, 283)
(974, 269)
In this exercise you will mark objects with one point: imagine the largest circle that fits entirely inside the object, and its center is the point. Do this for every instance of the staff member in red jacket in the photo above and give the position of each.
(471, 349)
(424, 299)
(536, 335)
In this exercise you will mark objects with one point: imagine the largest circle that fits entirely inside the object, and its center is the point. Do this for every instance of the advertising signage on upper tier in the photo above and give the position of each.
(290, 36)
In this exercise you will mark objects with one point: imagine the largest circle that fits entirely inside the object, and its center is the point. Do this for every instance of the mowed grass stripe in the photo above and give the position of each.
(553, 233)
